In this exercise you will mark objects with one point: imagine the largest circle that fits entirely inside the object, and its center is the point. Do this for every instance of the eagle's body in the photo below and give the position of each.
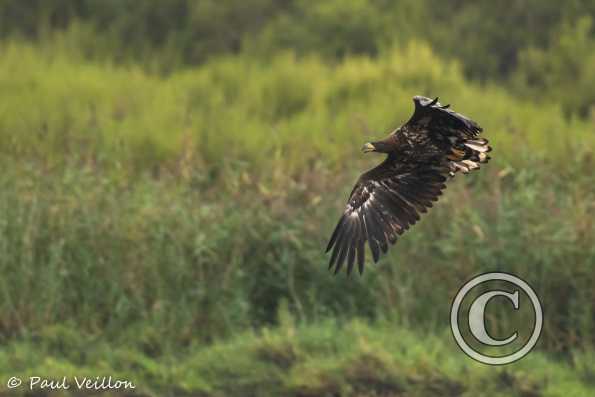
(386, 200)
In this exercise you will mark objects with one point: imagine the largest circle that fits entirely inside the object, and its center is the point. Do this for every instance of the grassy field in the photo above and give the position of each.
(170, 228)
(352, 358)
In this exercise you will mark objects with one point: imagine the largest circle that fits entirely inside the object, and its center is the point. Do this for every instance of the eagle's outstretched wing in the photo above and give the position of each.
(384, 203)
(430, 114)
(438, 129)
(388, 199)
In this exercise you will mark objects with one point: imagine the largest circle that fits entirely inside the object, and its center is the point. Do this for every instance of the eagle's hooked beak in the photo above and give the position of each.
(368, 147)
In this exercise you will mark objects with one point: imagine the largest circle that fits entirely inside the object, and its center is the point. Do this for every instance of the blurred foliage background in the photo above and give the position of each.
(172, 170)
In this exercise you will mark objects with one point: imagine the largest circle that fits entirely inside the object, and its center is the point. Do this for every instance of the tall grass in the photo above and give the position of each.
(159, 211)
(233, 111)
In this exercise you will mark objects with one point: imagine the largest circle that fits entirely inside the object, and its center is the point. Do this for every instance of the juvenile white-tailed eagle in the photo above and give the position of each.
(386, 200)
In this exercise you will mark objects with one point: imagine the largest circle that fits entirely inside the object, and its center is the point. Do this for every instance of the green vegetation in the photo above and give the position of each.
(168, 190)
(539, 49)
(327, 359)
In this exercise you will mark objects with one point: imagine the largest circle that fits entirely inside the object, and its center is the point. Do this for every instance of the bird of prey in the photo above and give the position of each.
(432, 146)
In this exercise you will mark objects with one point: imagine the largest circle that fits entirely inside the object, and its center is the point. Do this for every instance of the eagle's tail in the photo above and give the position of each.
(467, 154)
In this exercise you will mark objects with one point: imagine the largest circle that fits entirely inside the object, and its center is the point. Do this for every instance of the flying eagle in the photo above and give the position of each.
(386, 200)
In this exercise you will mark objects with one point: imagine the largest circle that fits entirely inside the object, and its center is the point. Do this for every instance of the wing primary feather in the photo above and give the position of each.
(351, 257)
(335, 233)
(354, 246)
(371, 239)
(336, 247)
(361, 252)
(344, 245)
(361, 255)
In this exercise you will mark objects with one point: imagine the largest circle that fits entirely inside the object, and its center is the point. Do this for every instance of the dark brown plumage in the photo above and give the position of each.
(386, 200)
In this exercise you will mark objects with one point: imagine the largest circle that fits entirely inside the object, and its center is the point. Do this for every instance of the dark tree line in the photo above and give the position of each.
(492, 40)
